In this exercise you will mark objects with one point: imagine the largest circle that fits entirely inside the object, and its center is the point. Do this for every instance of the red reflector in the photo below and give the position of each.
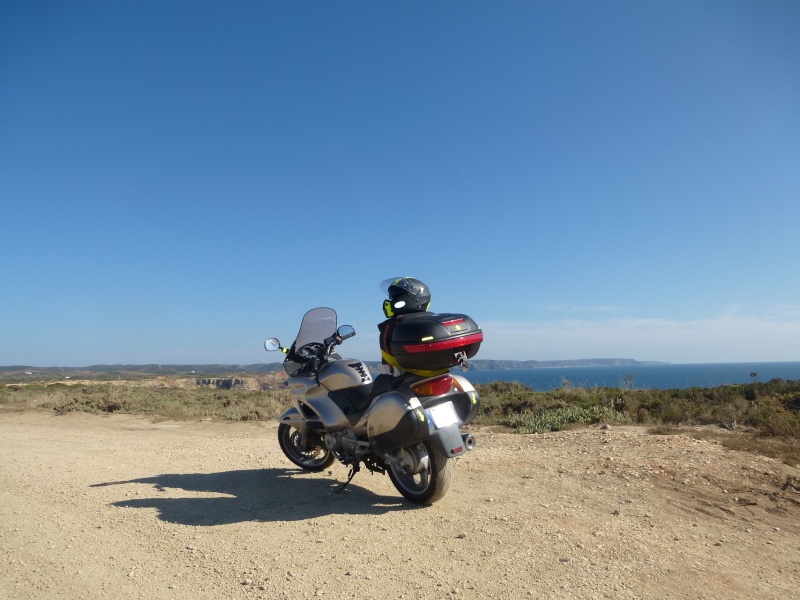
(433, 387)
(445, 344)
(458, 450)
(452, 322)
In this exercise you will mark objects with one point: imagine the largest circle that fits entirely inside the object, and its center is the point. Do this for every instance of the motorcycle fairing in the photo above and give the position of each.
(292, 417)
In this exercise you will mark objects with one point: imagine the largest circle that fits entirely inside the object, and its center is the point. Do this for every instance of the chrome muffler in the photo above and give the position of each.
(469, 441)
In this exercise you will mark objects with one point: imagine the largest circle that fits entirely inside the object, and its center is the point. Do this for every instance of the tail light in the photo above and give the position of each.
(459, 386)
(456, 342)
(433, 387)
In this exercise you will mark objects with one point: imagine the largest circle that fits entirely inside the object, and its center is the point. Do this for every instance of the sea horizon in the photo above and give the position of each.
(641, 376)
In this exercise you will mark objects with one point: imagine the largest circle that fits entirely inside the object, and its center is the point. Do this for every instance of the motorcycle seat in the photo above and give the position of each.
(354, 401)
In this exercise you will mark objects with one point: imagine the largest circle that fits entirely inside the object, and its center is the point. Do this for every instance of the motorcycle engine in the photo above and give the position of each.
(342, 442)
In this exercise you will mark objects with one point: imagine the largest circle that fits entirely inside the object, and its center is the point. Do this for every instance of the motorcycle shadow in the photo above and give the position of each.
(266, 495)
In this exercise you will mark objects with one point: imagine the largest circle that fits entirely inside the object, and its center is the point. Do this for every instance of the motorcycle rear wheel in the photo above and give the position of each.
(431, 483)
(315, 457)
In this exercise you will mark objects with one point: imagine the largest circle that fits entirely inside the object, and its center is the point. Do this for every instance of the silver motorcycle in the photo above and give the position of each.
(407, 426)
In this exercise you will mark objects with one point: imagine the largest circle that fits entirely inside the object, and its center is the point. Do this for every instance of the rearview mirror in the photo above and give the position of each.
(346, 331)
(272, 345)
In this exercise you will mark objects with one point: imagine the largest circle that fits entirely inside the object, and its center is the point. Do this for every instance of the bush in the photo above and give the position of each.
(559, 418)
(166, 402)
(772, 408)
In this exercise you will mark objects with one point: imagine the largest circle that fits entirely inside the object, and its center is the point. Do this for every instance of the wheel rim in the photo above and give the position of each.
(414, 483)
(313, 457)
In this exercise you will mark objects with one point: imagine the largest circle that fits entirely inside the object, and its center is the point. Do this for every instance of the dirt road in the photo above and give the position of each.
(122, 507)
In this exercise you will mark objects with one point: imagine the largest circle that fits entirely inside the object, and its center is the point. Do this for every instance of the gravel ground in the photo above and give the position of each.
(123, 507)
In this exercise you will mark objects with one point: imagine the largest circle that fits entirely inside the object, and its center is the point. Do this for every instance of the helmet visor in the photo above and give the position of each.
(404, 283)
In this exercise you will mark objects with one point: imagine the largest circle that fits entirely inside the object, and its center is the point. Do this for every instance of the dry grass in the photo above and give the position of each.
(164, 402)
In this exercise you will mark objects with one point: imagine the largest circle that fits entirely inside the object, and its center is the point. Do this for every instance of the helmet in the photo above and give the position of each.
(406, 295)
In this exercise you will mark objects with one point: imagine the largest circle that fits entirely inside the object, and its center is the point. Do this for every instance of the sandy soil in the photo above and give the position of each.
(122, 507)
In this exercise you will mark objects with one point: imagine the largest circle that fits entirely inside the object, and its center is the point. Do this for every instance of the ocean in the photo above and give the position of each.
(662, 377)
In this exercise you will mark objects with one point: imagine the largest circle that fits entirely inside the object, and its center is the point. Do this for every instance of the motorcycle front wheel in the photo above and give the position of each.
(314, 456)
(431, 482)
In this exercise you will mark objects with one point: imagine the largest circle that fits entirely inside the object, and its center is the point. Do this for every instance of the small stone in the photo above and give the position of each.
(461, 535)
(615, 512)
(563, 560)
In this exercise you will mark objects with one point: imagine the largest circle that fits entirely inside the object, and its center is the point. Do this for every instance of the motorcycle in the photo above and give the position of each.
(407, 427)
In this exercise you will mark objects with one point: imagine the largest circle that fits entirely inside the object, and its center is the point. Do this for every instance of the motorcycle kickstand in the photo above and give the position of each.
(354, 468)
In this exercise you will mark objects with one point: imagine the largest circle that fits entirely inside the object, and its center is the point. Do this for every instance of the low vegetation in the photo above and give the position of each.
(760, 417)
(165, 402)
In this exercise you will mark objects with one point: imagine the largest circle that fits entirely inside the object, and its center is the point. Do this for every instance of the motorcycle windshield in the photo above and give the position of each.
(318, 324)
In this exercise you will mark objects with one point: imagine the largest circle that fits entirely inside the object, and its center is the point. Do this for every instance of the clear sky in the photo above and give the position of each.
(181, 179)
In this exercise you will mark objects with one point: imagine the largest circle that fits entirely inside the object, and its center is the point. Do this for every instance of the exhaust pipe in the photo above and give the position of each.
(469, 441)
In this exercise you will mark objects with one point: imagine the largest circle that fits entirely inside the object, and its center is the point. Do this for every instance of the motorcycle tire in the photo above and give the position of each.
(431, 483)
(315, 458)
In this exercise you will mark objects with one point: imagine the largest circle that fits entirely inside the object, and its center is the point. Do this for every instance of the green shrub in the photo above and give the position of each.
(771, 408)
(556, 419)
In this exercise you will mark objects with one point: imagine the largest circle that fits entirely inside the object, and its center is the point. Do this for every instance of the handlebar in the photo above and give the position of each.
(311, 355)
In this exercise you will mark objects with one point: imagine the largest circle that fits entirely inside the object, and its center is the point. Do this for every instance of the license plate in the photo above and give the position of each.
(444, 415)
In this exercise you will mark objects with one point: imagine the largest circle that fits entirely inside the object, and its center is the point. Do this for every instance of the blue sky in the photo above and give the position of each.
(180, 180)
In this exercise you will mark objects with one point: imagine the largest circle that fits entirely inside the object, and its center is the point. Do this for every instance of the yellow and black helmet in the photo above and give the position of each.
(406, 295)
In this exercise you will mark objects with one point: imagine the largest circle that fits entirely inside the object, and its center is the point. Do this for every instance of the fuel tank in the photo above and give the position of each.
(343, 374)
